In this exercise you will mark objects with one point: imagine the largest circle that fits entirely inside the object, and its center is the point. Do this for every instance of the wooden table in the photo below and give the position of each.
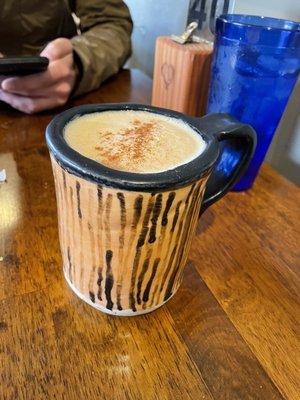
(229, 333)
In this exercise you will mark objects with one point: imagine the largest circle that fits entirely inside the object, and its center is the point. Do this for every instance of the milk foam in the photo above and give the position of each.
(134, 141)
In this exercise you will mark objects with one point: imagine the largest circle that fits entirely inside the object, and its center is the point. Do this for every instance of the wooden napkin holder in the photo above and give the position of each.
(181, 75)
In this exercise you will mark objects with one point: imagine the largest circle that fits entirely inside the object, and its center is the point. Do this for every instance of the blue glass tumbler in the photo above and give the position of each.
(255, 66)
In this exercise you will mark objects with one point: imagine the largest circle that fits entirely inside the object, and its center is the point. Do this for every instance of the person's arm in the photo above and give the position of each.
(104, 44)
(95, 55)
(44, 90)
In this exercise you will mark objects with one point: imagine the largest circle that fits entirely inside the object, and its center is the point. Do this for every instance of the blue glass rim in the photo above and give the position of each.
(259, 30)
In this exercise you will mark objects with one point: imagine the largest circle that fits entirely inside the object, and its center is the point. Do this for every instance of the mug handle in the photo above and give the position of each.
(237, 145)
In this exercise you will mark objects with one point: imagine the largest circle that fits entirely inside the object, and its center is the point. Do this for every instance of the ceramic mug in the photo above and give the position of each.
(124, 236)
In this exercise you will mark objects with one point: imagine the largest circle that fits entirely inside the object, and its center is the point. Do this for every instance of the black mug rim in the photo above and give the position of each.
(91, 170)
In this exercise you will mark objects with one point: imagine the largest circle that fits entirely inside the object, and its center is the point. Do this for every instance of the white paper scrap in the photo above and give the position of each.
(2, 175)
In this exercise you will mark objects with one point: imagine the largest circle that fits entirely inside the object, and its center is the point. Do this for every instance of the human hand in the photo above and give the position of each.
(44, 90)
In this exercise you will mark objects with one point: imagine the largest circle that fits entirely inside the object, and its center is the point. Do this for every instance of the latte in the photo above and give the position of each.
(134, 141)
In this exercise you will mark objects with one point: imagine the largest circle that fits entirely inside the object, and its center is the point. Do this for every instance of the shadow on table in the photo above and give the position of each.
(205, 221)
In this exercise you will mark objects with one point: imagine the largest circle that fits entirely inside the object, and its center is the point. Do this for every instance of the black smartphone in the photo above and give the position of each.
(20, 66)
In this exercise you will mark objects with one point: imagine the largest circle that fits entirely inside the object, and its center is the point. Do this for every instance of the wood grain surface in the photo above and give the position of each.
(230, 332)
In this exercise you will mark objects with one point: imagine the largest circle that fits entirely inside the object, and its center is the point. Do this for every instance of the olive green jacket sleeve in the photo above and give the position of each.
(104, 43)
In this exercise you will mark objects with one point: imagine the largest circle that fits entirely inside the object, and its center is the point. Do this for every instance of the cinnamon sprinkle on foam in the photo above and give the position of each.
(134, 141)
(130, 144)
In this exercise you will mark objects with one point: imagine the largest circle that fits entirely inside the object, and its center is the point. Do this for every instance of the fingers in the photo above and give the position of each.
(57, 49)
(60, 89)
(34, 84)
(31, 105)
